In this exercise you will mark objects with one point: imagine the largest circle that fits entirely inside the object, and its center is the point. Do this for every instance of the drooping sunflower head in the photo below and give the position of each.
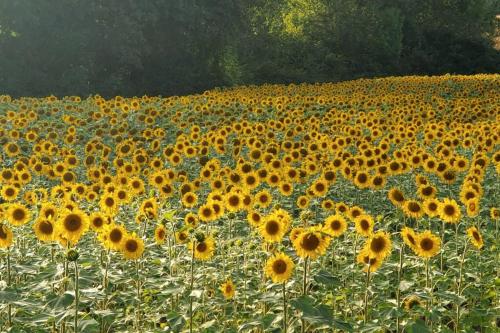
(160, 234)
(409, 237)
(6, 236)
(368, 261)
(44, 230)
(396, 197)
(475, 237)
(279, 267)
(411, 302)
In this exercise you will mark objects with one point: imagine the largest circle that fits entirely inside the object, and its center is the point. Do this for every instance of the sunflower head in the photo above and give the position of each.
(475, 237)
(279, 267)
(228, 289)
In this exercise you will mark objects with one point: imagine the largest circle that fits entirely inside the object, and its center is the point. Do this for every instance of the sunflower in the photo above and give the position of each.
(431, 207)
(6, 236)
(319, 187)
(396, 197)
(263, 198)
(191, 220)
(206, 213)
(475, 237)
(279, 267)
(233, 201)
(113, 236)
(494, 213)
(369, 262)
(254, 218)
(204, 250)
(409, 237)
(160, 234)
(132, 247)
(272, 229)
(364, 225)
(72, 225)
(227, 289)
(9, 192)
(335, 225)
(449, 211)
(413, 208)
(295, 233)
(182, 236)
(18, 214)
(379, 245)
(97, 221)
(426, 191)
(44, 230)
(311, 243)
(189, 199)
(410, 302)
(428, 244)
(472, 207)
(302, 201)
(109, 204)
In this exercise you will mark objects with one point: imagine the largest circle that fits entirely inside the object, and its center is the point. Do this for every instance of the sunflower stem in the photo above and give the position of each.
(138, 285)
(284, 308)
(459, 285)
(77, 296)
(398, 290)
(367, 286)
(9, 306)
(191, 289)
(304, 291)
(442, 240)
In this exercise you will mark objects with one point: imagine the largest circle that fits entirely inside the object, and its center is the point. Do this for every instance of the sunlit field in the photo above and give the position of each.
(362, 206)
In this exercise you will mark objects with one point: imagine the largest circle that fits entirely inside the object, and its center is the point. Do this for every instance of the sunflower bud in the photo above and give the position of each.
(72, 255)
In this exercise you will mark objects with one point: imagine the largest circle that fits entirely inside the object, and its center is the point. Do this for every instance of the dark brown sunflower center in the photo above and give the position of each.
(97, 222)
(310, 242)
(335, 225)
(476, 236)
(426, 244)
(378, 244)
(449, 210)
(72, 222)
(365, 225)
(161, 234)
(115, 235)
(414, 207)
(279, 266)
(131, 245)
(398, 196)
(272, 227)
(18, 214)
(201, 247)
(46, 228)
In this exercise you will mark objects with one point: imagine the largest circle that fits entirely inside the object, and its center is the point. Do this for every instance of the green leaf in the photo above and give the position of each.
(60, 302)
(417, 327)
(326, 278)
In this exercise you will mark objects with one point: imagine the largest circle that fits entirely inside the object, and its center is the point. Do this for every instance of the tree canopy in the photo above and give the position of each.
(155, 47)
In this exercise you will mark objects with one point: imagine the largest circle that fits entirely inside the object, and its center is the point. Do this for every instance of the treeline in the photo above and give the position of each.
(160, 47)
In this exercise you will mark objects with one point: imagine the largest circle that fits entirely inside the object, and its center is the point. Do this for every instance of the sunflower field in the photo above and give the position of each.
(362, 206)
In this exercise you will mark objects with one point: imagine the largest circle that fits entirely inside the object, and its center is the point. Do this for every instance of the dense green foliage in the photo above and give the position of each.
(179, 46)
